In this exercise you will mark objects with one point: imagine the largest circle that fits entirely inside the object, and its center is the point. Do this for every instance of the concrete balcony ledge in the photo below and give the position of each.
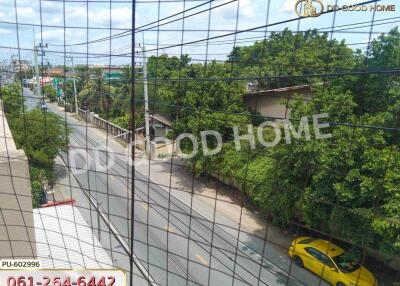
(7, 143)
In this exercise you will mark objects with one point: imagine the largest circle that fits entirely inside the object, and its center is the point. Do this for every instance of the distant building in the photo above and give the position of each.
(159, 126)
(56, 72)
(21, 65)
(113, 72)
(108, 71)
(275, 102)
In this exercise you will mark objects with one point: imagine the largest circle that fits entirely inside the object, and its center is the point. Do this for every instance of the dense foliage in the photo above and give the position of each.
(348, 185)
(287, 53)
(49, 92)
(42, 135)
(11, 95)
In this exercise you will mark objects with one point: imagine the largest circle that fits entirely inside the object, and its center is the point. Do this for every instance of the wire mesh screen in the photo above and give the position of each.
(194, 142)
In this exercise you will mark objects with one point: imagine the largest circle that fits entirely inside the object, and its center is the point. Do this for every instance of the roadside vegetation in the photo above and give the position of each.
(347, 186)
(50, 93)
(42, 136)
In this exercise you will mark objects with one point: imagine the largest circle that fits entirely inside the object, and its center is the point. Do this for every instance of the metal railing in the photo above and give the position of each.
(96, 120)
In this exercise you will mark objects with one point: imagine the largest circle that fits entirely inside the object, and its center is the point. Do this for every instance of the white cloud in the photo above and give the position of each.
(98, 17)
(252, 13)
(5, 31)
(229, 11)
(26, 14)
(122, 17)
(288, 6)
(246, 8)
(56, 36)
(51, 36)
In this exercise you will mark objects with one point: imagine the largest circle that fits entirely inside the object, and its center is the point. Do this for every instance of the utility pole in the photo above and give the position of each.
(35, 56)
(146, 102)
(75, 94)
(37, 78)
(1, 78)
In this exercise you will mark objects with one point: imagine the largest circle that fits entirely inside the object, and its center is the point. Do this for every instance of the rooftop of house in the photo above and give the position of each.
(16, 61)
(102, 66)
(56, 71)
(65, 241)
(162, 119)
(296, 88)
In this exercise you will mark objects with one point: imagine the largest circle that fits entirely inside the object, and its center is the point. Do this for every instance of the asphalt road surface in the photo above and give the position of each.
(163, 223)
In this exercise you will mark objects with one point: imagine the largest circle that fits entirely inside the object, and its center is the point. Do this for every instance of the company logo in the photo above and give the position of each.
(309, 8)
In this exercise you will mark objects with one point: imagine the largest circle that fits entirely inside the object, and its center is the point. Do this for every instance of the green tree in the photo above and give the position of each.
(371, 91)
(288, 53)
(50, 92)
(42, 136)
(345, 185)
(197, 103)
(12, 98)
(98, 94)
(37, 175)
(44, 139)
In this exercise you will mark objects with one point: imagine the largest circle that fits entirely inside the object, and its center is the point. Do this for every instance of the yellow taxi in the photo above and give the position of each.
(329, 262)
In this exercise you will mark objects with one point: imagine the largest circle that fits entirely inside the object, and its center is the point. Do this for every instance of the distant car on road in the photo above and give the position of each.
(25, 82)
(43, 106)
(330, 262)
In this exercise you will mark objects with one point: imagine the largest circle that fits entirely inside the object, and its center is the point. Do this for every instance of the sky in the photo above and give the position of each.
(66, 27)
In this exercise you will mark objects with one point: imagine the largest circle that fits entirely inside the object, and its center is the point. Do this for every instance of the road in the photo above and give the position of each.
(163, 223)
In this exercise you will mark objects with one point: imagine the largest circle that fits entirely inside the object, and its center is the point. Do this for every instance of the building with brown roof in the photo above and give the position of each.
(56, 72)
(276, 102)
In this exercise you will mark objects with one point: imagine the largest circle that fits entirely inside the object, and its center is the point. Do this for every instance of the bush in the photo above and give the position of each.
(69, 107)
(12, 97)
(50, 93)
(122, 121)
(42, 136)
(52, 97)
(37, 174)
